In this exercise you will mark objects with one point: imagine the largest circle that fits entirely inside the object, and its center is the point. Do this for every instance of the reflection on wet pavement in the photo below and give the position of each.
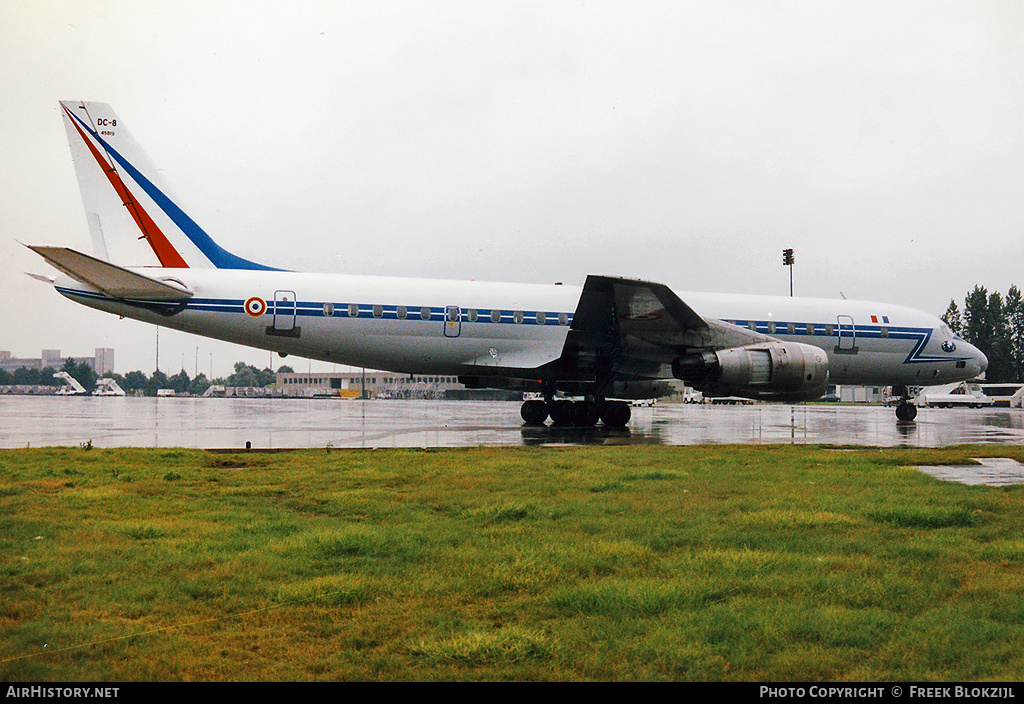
(304, 423)
(990, 471)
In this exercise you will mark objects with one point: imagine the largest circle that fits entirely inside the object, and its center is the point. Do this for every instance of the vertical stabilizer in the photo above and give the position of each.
(99, 243)
(126, 201)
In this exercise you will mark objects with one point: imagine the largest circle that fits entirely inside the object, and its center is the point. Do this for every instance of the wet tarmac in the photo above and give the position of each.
(27, 421)
(990, 471)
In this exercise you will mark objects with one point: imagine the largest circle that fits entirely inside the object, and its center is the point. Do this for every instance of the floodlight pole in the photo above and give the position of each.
(787, 260)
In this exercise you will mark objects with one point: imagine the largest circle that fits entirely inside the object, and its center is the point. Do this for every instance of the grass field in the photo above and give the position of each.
(623, 563)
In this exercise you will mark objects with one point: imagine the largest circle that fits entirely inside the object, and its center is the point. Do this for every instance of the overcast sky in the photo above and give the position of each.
(681, 142)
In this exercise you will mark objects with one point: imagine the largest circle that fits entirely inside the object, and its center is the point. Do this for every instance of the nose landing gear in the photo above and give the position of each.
(905, 410)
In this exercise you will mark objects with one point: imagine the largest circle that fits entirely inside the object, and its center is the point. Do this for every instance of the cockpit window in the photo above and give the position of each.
(946, 331)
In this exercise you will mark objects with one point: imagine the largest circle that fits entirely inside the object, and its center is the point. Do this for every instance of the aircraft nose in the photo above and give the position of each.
(982, 361)
(978, 361)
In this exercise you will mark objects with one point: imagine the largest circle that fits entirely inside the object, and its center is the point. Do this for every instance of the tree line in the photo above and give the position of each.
(995, 325)
(137, 381)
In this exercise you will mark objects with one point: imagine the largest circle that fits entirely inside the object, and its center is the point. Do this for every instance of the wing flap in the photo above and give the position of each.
(111, 280)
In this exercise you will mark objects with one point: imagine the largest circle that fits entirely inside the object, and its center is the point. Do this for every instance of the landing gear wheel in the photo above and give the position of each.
(574, 414)
(561, 412)
(906, 411)
(534, 412)
(585, 414)
(616, 414)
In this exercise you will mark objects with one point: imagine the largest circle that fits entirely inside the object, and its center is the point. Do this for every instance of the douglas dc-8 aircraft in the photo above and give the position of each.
(610, 340)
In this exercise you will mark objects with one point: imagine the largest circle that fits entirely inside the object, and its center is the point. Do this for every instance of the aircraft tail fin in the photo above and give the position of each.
(125, 199)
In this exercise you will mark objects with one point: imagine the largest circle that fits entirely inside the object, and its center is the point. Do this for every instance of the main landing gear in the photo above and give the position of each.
(905, 410)
(576, 414)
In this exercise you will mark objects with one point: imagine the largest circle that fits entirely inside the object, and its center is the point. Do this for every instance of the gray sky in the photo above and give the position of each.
(682, 142)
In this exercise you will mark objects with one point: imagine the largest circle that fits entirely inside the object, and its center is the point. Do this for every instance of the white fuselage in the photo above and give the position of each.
(421, 326)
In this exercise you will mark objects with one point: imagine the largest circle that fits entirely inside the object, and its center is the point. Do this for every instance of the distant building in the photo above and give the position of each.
(102, 362)
(372, 384)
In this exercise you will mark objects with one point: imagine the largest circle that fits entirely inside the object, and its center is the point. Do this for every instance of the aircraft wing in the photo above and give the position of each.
(111, 280)
(631, 326)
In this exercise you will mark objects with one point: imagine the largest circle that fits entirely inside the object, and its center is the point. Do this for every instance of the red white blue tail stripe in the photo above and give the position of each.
(170, 256)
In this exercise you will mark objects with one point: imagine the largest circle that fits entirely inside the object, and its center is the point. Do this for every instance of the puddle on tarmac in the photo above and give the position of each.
(992, 471)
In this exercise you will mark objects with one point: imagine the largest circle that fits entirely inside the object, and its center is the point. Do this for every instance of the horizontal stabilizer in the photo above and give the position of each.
(111, 280)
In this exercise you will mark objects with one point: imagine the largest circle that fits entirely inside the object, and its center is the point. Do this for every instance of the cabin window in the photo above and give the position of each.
(495, 316)
(810, 328)
(517, 316)
(830, 330)
(425, 313)
(541, 318)
(378, 311)
(752, 325)
(471, 315)
(791, 328)
(402, 312)
(328, 309)
(771, 327)
(353, 310)
(884, 332)
(563, 318)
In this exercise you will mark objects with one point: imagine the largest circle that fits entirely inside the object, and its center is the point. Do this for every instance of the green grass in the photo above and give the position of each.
(622, 563)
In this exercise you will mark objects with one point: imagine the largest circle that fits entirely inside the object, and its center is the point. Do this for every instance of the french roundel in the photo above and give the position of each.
(255, 307)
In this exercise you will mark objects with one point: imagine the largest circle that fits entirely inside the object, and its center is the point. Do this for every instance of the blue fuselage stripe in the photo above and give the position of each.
(919, 336)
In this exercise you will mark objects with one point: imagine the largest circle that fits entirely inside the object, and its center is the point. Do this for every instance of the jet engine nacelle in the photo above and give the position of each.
(770, 371)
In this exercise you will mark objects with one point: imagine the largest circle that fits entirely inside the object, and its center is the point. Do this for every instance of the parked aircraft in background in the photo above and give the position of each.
(611, 340)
